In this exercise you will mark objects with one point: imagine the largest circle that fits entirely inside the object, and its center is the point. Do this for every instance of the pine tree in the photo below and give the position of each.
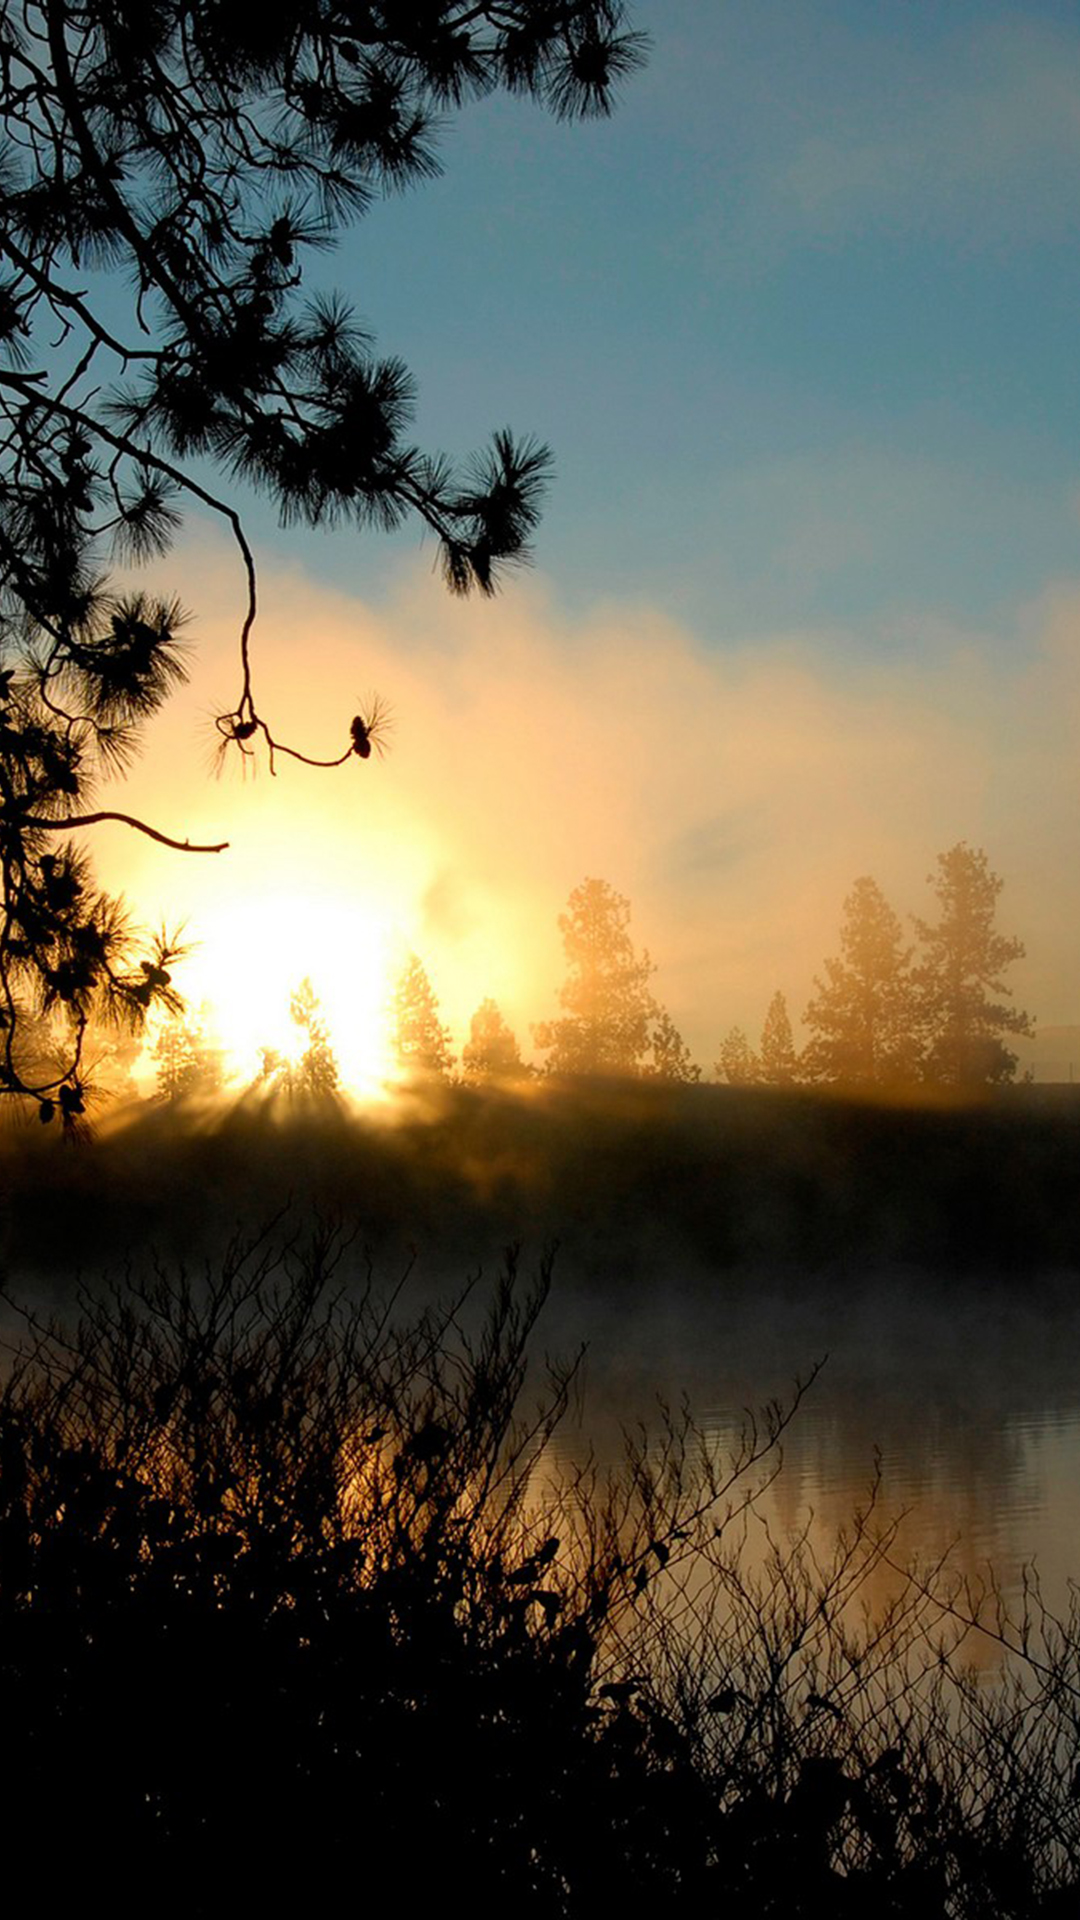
(187, 1063)
(421, 1042)
(608, 1006)
(960, 969)
(202, 154)
(865, 1020)
(317, 1069)
(779, 1061)
(315, 1072)
(491, 1051)
(670, 1053)
(738, 1063)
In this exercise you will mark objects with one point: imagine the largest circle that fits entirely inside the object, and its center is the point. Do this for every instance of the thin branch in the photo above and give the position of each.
(63, 297)
(128, 820)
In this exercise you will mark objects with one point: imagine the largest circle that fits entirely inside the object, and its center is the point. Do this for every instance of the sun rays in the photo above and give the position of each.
(252, 956)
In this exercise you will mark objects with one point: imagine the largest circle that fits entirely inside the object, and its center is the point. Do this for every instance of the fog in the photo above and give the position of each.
(732, 790)
(643, 1184)
(710, 1244)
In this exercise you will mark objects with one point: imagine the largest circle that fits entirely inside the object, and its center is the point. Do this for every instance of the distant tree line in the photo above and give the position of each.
(886, 1012)
(611, 1022)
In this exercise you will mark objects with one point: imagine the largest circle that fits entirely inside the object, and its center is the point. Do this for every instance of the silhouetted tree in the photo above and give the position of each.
(779, 1060)
(738, 1063)
(609, 1009)
(315, 1072)
(421, 1042)
(670, 1053)
(962, 961)
(491, 1051)
(187, 1064)
(865, 1019)
(201, 153)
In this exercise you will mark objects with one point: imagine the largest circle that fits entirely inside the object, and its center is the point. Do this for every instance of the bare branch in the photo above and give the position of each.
(128, 820)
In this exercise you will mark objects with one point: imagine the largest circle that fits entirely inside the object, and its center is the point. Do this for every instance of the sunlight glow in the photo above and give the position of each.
(252, 955)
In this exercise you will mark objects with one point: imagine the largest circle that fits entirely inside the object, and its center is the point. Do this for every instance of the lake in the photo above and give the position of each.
(713, 1243)
(963, 1396)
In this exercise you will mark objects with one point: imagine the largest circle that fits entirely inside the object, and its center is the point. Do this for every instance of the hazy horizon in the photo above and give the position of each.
(733, 795)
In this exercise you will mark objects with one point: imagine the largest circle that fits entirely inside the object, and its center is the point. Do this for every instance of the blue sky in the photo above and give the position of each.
(798, 321)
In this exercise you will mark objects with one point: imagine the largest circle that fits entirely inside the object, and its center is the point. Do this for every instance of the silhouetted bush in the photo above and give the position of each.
(293, 1596)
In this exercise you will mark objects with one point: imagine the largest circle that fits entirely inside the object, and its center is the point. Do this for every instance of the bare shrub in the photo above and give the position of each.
(289, 1586)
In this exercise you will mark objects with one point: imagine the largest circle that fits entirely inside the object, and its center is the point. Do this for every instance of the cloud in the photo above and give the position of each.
(733, 792)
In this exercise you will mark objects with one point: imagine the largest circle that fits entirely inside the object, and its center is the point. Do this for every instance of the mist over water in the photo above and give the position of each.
(713, 1245)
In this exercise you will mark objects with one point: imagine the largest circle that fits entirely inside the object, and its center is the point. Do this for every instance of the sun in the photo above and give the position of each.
(253, 953)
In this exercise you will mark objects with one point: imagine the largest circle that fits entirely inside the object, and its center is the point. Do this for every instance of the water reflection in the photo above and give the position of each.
(964, 1401)
(712, 1247)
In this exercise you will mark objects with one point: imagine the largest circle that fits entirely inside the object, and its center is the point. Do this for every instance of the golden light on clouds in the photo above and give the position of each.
(733, 792)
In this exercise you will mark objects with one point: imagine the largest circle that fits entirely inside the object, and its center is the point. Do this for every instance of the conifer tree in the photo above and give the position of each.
(865, 1018)
(958, 979)
(670, 1053)
(738, 1063)
(491, 1051)
(608, 1009)
(421, 1042)
(316, 1071)
(187, 1064)
(779, 1061)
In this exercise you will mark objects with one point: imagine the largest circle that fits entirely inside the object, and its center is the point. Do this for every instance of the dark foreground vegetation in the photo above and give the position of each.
(293, 1601)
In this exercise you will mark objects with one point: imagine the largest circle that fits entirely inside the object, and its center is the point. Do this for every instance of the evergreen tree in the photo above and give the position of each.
(670, 1054)
(187, 1063)
(779, 1061)
(608, 1007)
(491, 1051)
(865, 1020)
(738, 1063)
(202, 153)
(421, 1042)
(315, 1072)
(962, 961)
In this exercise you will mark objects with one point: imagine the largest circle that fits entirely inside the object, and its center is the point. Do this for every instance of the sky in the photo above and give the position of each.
(798, 323)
